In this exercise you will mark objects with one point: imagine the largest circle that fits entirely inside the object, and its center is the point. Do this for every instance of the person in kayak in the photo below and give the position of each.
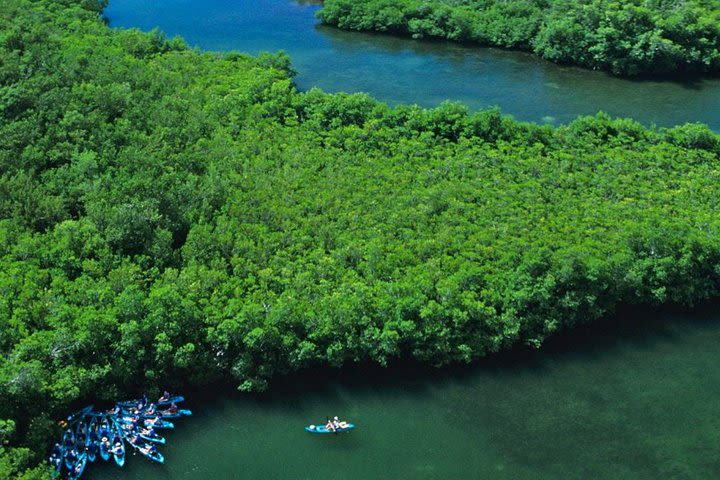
(149, 448)
(172, 409)
(71, 456)
(165, 397)
(330, 425)
(55, 456)
(338, 424)
(150, 410)
(78, 468)
(142, 402)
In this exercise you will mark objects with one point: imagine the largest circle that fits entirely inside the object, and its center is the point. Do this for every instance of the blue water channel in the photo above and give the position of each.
(399, 70)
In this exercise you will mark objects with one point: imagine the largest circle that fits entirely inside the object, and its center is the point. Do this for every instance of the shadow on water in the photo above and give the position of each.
(457, 53)
(630, 396)
(630, 328)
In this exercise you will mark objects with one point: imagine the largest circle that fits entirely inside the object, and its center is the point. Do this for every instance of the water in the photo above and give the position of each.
(634, 398)
(399, 70)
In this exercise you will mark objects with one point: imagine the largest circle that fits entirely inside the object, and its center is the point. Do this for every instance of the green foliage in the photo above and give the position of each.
(626, 38)
(172, 217)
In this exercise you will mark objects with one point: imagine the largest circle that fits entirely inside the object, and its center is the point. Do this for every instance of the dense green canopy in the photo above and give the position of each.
(624, 37)
(172, 217)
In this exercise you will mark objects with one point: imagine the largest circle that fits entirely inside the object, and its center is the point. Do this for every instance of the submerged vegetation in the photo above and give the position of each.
(626, 38)
(178, 216)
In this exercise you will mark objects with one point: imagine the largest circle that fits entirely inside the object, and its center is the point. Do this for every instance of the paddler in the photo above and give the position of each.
(330, 425)
(71, 456)
(149, 422)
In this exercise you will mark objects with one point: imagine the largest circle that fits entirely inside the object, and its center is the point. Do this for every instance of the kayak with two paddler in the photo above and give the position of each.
(332, 426)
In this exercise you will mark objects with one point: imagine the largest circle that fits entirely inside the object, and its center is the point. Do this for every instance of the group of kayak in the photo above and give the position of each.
(89, 434)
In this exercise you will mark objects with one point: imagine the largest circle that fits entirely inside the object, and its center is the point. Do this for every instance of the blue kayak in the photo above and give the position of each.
(68, 446)
(79, 467)
(119, 452)
(105, 446)
(71, 459)
(146, 451)
(180, 413)
(105, 450)
(154, 456)
(56, 459)
(174, 399)
(154, 422)
(322, 429)
(92, 447)
(136, 403)
(118, 447)
(79, 415)
(152, 437)
(81, 439)
(161, 424)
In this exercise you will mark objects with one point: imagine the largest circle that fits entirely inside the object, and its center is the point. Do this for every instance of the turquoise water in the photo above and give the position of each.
(634, 398)
(398, 70)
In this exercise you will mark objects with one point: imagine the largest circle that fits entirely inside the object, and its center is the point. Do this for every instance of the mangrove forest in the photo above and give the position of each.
(176, 217)
(628, 38)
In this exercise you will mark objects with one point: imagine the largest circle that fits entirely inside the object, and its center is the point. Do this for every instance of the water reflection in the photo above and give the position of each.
(400, 70)
(633, 396)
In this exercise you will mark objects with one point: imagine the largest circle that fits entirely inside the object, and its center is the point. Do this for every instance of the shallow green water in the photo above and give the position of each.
(635, 399)
(398, 70)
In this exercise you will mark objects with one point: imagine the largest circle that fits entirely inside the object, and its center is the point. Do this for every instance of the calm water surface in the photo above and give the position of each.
(637, 399)
(634, 400)
(398, 70)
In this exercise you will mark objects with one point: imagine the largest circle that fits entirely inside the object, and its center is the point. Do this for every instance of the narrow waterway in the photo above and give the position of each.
(635, 398)
(399, 70)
